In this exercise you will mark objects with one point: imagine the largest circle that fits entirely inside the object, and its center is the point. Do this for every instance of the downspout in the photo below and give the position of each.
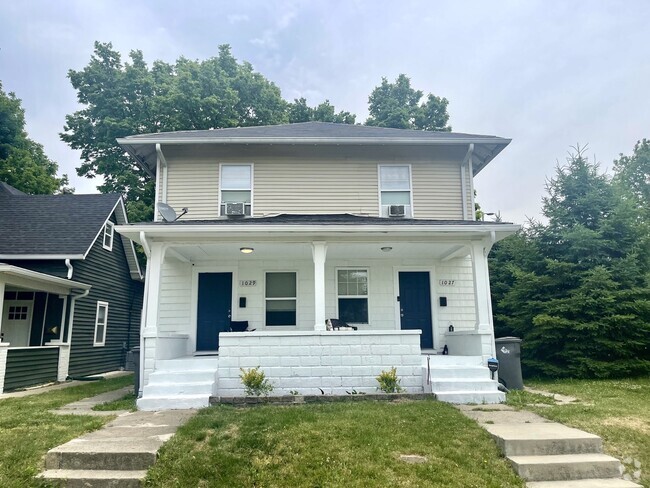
(68, 265)
(73, 302)
(463, 188)
(471, 184)
(163, 163)
(145, 245)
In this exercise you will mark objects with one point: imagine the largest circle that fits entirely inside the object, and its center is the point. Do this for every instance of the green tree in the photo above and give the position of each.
(23, 163)
(400, 106)
(576, 288)
(299, 111)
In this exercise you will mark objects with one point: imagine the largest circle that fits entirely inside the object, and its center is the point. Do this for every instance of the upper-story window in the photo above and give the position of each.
(236, 186)
(107, 242)
(395, 190)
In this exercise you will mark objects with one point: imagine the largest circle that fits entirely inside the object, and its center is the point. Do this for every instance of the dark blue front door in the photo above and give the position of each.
(415, 304)
(213, 313)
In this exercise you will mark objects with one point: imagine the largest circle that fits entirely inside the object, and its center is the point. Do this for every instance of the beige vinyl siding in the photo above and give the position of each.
(194, 184)
(436, 190)
(315, 187)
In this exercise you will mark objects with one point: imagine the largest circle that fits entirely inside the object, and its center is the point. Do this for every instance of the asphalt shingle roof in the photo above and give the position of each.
(52, 224)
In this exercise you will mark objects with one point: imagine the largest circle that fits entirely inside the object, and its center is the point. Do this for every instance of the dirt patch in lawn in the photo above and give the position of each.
(634, 423)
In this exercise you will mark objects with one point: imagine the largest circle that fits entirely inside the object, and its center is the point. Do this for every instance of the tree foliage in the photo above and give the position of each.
(299, 111)
(577, 288)
(23, 163)
(400, 106)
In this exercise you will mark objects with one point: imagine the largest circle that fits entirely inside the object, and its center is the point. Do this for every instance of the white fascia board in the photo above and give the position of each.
(45, 279)
(41, 256)
(317, 140)
(233, 231)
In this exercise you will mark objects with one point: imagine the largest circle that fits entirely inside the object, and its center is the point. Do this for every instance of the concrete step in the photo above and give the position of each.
(122, 454)
(565, 467)
(460, 372)
(535, 439)
(464, 384)
(592, 483)
(196, 376)
(465, 397)
(188, 364)
(162, 389)
(84, 478)
(173, 402)
(440, 360)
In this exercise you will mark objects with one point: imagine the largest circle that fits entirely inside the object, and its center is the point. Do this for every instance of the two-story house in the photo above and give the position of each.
(70, 287)
(291, 225)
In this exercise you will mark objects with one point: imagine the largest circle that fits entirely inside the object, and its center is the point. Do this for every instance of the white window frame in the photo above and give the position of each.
(109, 231)
(100, 304)
(221, 165)
(383, 209)
(280, 298)
(338, 296)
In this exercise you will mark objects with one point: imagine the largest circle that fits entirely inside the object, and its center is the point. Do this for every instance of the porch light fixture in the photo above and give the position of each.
(387, 249)
(246, 250)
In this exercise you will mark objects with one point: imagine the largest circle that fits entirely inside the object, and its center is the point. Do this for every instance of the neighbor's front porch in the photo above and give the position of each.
(35, 312)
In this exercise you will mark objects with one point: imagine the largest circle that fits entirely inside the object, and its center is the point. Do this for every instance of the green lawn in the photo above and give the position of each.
(349, 444)
(28, 430)
(616, 410)
(127, 402)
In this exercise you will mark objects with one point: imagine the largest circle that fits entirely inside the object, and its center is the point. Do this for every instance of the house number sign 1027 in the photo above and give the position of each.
(447, 282)
(247, 282)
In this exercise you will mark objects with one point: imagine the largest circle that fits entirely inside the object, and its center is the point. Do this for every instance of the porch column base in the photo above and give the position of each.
(64, 362)
(4, 346)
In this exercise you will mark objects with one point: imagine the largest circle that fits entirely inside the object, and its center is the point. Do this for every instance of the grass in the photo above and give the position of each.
(616, 410)
(28, 429)
(351, 444)
(127, 402)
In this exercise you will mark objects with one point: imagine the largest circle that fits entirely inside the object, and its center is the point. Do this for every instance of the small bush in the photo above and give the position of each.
(389, 382)
(255, 382)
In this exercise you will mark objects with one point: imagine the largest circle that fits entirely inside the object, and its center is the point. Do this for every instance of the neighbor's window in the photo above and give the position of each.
(101, 321)
(352, 285)
(236, 185)
(281, 298)
(395, 188)
(108, 236)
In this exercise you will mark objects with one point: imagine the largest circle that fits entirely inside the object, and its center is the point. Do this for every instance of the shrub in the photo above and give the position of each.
(389, 382)
(255, 382)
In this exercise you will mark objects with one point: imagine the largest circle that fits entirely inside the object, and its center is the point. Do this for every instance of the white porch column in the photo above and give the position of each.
(4, 346)
(481, 287)
(150, 311)
(64, 362)
(319, 252)
(2, 302)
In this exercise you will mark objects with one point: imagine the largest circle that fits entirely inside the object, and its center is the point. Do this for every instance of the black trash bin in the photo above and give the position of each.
(509, 356)
(135, 358)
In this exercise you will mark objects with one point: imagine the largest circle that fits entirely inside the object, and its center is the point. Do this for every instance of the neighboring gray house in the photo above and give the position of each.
(70, 287)
(291, 225)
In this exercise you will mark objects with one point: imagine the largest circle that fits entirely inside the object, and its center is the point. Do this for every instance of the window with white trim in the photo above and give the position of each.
(280, 296)
(395, 188)
(101, 324)
(352, 288)
(236, 186)
(107, 242)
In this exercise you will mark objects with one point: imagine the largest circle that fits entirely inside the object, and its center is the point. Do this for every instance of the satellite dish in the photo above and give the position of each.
(168, 213)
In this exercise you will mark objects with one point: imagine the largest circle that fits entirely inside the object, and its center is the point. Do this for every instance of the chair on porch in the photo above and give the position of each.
(336, 324)
(238, 325)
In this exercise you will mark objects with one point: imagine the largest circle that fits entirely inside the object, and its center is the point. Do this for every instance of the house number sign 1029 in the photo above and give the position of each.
(247, 282)
(447, 282)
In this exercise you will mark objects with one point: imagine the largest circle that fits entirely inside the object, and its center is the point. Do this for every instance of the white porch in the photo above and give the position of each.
(453, 259)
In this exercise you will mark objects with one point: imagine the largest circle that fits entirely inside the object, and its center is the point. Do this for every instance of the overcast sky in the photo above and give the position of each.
(546, 74)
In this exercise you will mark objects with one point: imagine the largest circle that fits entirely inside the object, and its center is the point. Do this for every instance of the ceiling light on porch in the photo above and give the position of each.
(387, 249)
(246, 250)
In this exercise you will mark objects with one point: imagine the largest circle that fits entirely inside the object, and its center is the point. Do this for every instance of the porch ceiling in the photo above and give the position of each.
(230, 251)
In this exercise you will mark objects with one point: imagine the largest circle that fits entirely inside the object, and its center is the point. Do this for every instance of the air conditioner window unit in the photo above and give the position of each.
(236, 209)
(396, 211)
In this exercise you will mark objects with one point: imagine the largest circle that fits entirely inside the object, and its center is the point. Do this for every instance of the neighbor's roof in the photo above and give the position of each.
(62, 225)
(7, 189)
(143, 146)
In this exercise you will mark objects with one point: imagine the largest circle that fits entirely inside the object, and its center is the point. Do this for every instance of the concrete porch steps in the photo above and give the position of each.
(562, 467)
(462, 380)
(180, 384)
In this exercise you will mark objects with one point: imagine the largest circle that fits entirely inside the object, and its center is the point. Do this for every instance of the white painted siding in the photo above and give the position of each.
(175, 297)
(461, 308)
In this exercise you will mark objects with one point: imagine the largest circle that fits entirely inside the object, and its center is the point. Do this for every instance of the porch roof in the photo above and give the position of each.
(318, 225)
(26, 278)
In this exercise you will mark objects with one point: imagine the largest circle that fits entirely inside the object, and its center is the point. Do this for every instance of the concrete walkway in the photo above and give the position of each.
(119, 454)
(548, 454)
(36, 390)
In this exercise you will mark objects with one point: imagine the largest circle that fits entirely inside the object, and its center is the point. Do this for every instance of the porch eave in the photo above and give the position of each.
(18, 276)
